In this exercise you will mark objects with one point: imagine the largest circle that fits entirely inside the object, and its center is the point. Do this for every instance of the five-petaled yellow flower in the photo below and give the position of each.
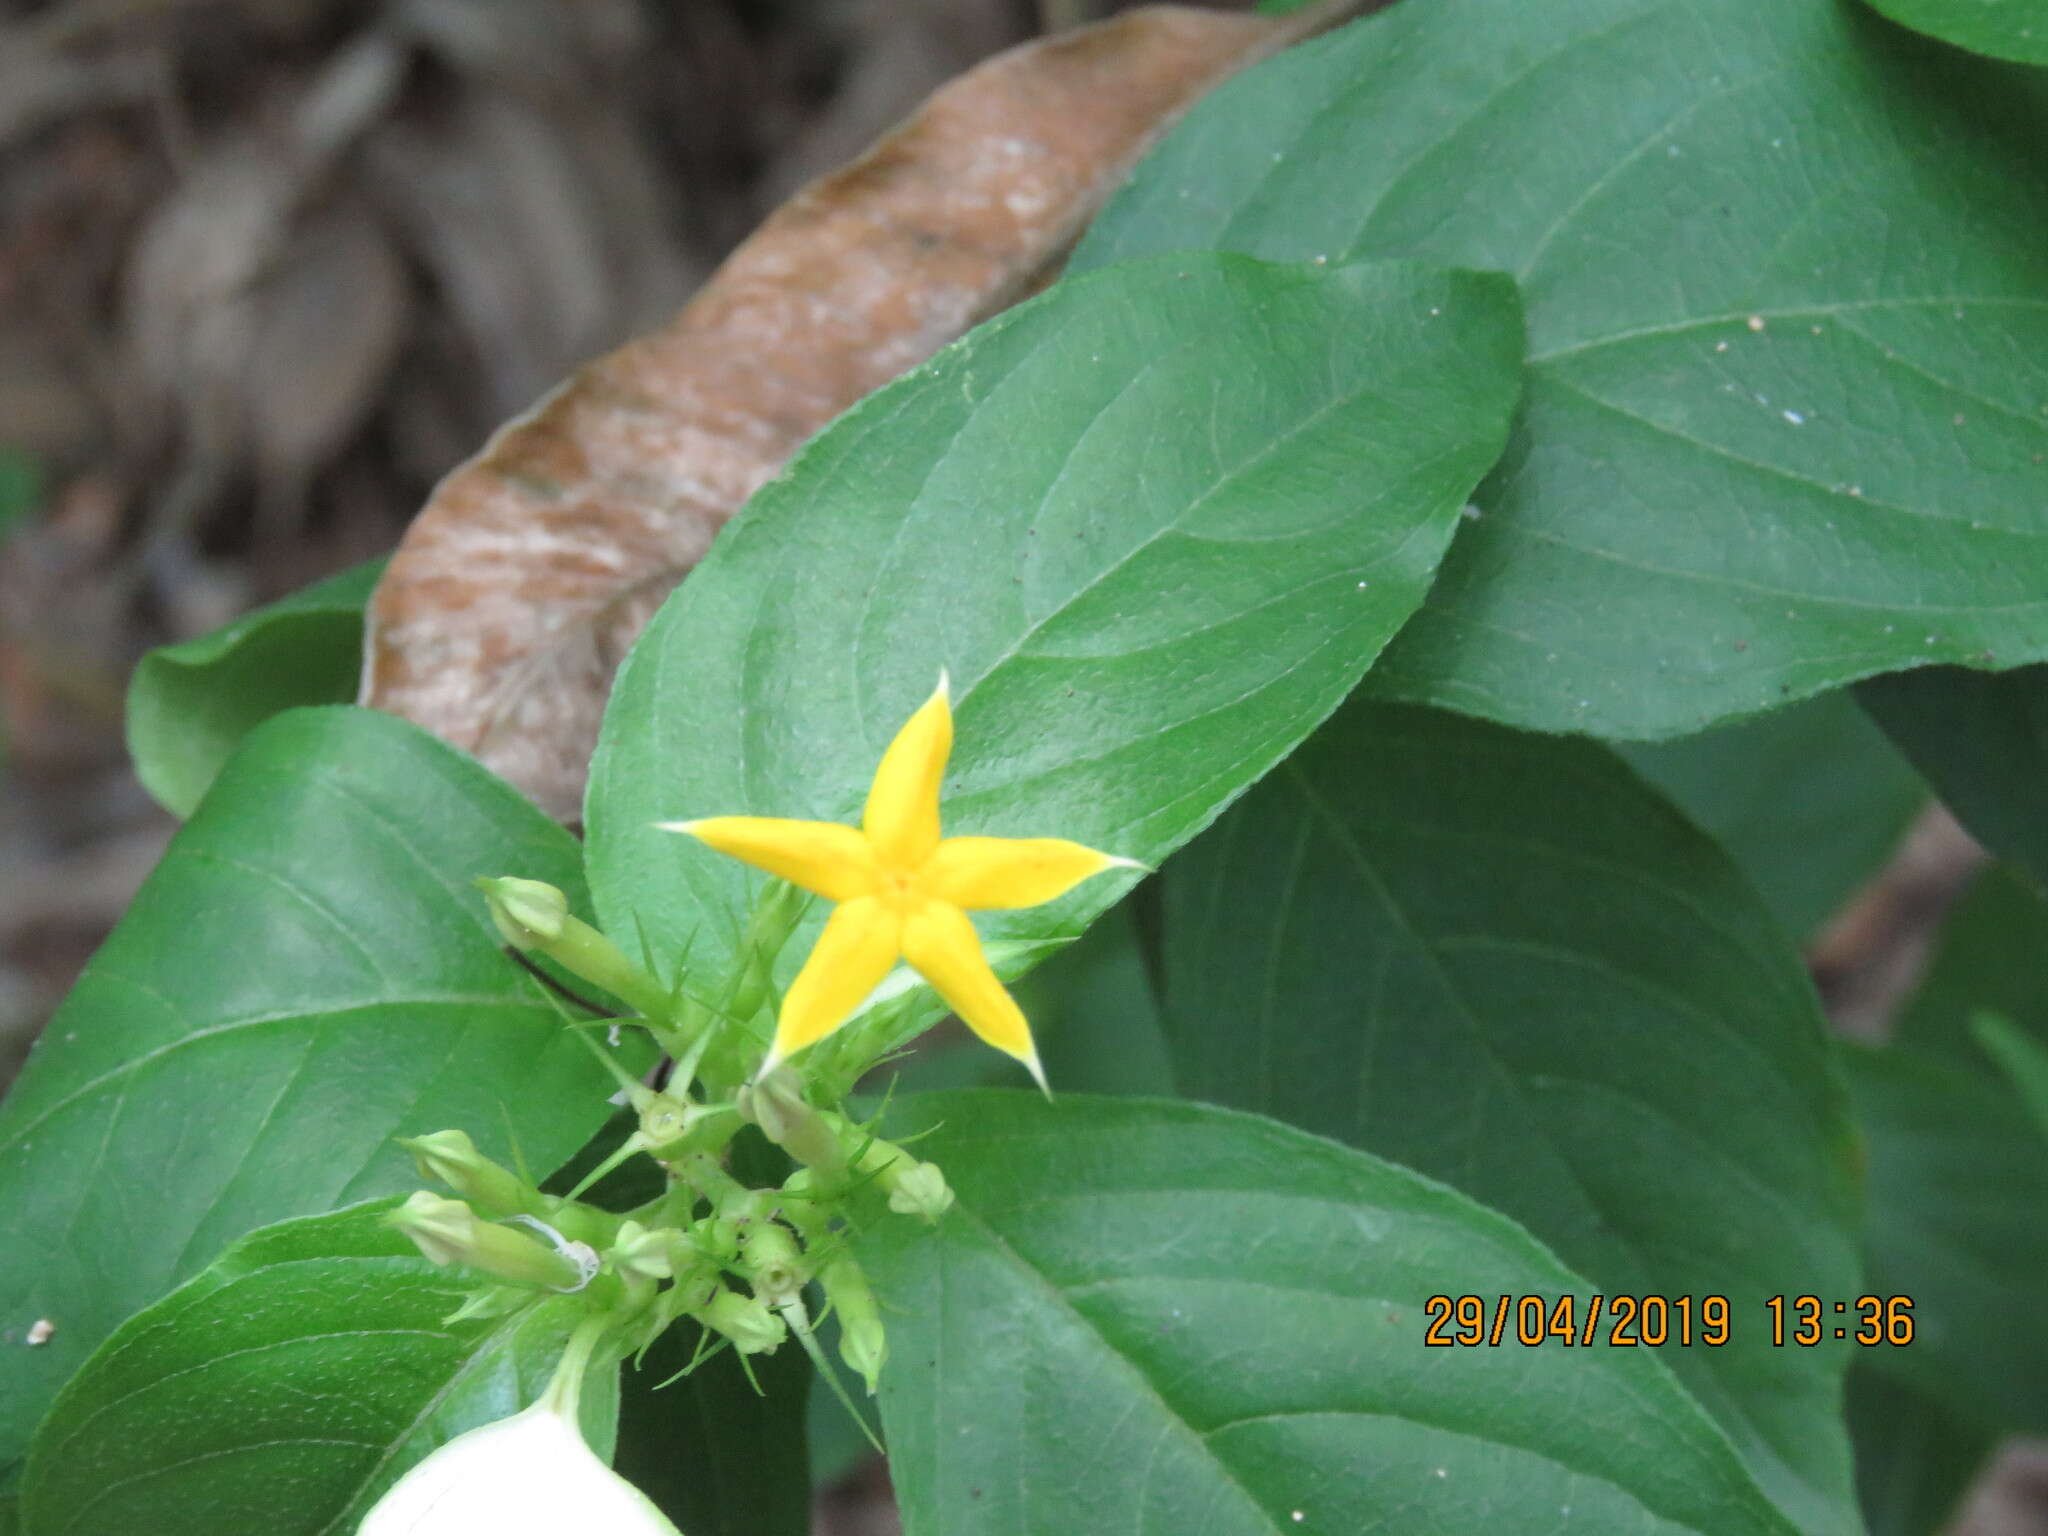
(902, 890)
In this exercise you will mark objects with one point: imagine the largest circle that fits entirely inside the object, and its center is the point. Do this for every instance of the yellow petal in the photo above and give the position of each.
(854, 952)
(820, 856)
(979, 872)
(941, 943)
(902, 817)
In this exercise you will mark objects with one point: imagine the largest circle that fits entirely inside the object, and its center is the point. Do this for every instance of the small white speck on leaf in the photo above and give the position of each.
(1443, 1471)
(1720, 346)
(1471, 510)
(1320, 261)
(1755, 322)
(39, 1332)
(1298, 1515)
(1361, 586)
(1434, 311)
(1795, 418)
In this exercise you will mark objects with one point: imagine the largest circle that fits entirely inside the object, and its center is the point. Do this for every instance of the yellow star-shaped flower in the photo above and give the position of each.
(902, 890)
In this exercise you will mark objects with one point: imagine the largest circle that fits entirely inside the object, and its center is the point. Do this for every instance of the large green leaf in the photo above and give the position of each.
(284, 1388)
(1788, 316)
(1502, 960)
(1958, 1183)
(1809, 800)
(189, 703)
(306, 975)
(2005, 29)
(1914, 1457)
(1147, 1316)
(1155, 523)
(1982, 741)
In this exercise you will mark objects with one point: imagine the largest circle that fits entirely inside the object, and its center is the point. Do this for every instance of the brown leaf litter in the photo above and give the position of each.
(524, 580)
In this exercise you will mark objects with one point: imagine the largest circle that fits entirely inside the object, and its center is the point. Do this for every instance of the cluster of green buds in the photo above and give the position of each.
(737, 1260)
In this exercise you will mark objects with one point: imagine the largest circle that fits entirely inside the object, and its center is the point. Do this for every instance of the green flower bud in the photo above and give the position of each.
(449, 1232)
(671, 1127)
(650, 1255)
(809, 1135)
(862, 1343)
(718, 1237)
(452, 1157)
(533, 915)
(915, 1188)
(745, 1320)
(529, 913)
(772, 1262)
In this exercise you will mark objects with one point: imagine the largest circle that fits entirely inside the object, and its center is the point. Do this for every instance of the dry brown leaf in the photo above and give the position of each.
(533, 566)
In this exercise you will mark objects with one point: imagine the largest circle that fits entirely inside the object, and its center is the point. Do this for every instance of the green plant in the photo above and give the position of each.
(1443, 402)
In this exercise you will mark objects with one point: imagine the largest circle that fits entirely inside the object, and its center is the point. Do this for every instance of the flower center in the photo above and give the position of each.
(899, 889)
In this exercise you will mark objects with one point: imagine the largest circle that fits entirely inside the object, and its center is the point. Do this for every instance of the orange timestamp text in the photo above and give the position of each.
(1622, 1320)
(1652, 1321)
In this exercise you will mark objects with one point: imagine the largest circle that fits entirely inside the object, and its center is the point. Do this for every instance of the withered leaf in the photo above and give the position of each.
(521, 584)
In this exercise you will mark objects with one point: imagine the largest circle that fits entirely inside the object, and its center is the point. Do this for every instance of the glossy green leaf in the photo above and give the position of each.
(1809, 800)
(1914, 1457)
(1095, 1015)
(1987, 958)
(2004, 29)
(1786, 419)
(1502, 960)
(307, 974)
(285, 1387)
(1957, 1183)
(190, 703)
(1148, 1316)
(1982, 741)
(1152, 545)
